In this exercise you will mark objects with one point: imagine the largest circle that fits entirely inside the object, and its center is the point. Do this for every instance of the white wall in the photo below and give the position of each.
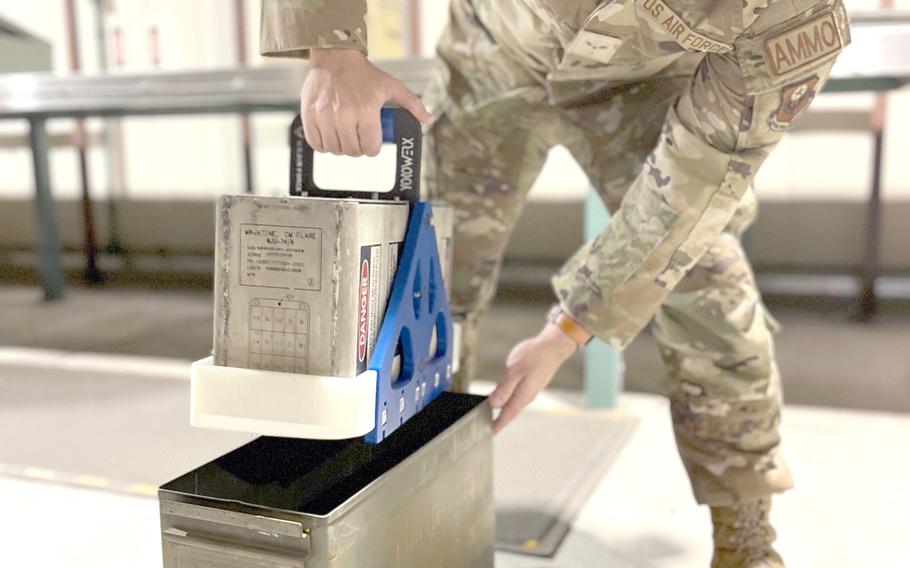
(200, 156)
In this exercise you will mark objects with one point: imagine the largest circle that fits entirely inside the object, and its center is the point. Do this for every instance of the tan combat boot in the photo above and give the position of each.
(743, 536)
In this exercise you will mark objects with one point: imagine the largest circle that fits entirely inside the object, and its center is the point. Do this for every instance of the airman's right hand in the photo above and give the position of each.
(341, 100)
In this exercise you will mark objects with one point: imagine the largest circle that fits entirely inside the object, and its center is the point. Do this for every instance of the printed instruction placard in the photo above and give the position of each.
(274, 256)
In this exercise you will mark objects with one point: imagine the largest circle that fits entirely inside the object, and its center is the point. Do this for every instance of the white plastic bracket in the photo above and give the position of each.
(282, 404)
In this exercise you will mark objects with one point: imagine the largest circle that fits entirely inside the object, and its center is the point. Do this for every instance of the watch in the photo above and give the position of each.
(558, 317)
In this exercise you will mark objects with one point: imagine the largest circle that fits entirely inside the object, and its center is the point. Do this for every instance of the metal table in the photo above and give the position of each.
(38, 97)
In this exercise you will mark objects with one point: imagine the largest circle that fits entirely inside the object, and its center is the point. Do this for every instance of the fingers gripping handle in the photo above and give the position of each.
(398, 126)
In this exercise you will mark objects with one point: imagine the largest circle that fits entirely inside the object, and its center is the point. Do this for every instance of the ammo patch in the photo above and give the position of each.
(804, 44)
(661, 14)
(793, 100)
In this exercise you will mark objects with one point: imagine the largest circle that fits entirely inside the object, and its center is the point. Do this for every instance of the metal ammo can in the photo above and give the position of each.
(423, 498)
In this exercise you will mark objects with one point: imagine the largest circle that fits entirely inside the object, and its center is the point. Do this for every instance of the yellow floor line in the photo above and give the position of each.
(86, 480)
(609, 414)
(40, 473)
(93, 481)
(143, 489)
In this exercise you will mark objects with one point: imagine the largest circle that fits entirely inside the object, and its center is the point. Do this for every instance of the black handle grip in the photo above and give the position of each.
(399, 126)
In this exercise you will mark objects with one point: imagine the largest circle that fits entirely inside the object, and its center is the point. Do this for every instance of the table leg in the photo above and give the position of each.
(247, 153)
(47, 237)
(868, 302)
(92, 272)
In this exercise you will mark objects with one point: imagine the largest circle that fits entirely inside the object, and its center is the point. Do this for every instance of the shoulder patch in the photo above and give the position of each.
(802, 45)
(660, 14)
(794, 99)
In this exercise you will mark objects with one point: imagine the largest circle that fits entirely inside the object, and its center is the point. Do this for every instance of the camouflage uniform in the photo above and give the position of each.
(670, 106)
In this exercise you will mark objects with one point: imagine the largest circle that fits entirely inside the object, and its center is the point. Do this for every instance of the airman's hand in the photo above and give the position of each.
(529, 368)
(341, 99)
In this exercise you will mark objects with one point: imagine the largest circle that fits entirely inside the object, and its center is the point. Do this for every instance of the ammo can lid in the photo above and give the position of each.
(316, 477)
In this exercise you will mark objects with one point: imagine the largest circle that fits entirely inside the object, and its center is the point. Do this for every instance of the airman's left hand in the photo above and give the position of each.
(529, 368)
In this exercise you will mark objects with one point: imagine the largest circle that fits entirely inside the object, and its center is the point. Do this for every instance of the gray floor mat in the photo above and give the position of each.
(540, 486)
(104, 430)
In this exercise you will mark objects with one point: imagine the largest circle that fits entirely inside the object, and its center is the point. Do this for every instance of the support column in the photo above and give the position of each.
(604, 367)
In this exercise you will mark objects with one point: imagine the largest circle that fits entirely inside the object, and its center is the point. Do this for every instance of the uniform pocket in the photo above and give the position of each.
(624, 41)
(590, 49)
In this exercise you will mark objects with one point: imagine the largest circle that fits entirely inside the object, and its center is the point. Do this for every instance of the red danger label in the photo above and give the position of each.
(363, 310)
(368, 316)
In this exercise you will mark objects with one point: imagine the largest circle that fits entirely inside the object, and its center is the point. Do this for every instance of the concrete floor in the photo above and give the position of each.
(825, 359)
(850, 507)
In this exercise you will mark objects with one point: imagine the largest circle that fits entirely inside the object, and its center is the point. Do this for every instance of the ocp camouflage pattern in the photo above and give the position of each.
(670, 107)
(290, 28)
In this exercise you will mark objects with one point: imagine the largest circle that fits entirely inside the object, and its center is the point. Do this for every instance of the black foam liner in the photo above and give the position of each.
(316, 476)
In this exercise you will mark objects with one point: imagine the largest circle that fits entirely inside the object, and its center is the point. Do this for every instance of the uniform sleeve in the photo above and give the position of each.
(714, 140)
(290, 28)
